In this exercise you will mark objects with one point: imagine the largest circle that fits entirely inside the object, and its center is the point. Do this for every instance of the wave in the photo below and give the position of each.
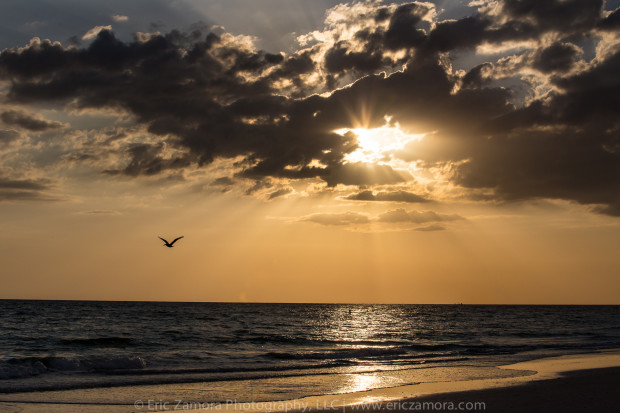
(165, 376)
(297, 340)
(34, 366)
(418, 351)
(177, 376)
(99, 341)
(337, 353)
(271, 360)
(375, 351)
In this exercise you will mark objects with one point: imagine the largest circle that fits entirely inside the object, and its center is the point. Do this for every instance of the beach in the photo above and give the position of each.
(577, 391)
(572, 383)
(149, 357)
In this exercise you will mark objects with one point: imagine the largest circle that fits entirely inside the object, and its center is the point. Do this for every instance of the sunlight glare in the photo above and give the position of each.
(376, 145)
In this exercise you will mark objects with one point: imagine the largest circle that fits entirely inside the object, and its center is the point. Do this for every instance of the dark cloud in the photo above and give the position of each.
(259, 184)
(24, 190)
(402, 31)
(560, 15)
(365, 52)
(589, 97)
(16, 195)
(559, 57)
(557, 164)
(365, 174)
(223, 181)
(7, 136)
(209, 96)
(28, 121)
(198, 95)
(339, 59)
(294, 66)
(611, 22)
(465, 33)
(384, 196)
(26, 184)
(478, 76)
(516, 20)
(146, 159)
(279, 193)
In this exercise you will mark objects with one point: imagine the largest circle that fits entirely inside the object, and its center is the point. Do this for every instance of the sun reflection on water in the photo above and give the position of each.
(359, 326)
(368, 381)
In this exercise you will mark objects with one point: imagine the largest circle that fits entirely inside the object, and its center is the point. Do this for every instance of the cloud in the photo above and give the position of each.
(148, 159)
(161, 91)
(346, 218)
(564, 16)
(7, 136)
(279, 193)
(611, 22)
(539, 121)
(433, 227)
(119, 18)
(418, 217)
(223, 181)
(559, 57)
(16, 195)
(92, 33)
(26, 184)
(28, 121)
(365, 174)
(102, 212)
(399, 218)
(24, 190)
(384, 196)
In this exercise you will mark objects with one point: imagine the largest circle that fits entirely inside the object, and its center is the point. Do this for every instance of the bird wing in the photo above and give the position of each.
(164, 240)
(176, 239)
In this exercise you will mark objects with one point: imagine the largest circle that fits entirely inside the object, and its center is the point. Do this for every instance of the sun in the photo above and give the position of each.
(377, 145)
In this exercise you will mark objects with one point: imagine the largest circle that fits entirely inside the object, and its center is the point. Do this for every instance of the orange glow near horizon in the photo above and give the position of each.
(254, 251)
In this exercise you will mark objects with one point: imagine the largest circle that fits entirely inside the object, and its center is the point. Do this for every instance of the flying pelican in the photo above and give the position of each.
(170, 244)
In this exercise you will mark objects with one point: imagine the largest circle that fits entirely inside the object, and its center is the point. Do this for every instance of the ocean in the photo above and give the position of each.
(253, 352)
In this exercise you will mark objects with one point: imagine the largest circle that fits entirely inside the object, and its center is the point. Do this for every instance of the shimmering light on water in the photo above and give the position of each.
(294, 349)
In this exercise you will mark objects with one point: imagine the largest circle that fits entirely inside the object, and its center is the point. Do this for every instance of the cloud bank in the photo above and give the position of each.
(520, 98)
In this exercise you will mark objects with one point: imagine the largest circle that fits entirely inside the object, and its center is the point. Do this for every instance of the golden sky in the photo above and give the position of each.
(376, 152)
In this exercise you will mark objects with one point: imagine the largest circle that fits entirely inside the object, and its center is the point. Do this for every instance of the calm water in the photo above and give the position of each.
(52, 345)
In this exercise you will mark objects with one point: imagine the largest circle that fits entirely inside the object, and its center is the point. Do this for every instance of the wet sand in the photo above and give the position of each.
(576, 383)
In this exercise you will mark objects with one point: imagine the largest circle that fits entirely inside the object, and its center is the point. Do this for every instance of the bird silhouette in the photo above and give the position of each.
(170, 244)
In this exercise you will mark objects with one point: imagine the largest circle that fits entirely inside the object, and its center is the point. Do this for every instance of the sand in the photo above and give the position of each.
(576, 383)
(579, 391)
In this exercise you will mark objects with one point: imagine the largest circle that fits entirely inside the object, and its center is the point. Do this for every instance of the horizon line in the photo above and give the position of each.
(301, 302)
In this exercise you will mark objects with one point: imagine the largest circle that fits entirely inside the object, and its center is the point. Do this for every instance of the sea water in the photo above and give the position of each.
(279, 351)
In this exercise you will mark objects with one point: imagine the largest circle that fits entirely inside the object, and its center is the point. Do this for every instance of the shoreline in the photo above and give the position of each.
(541, 370)
(565, 375)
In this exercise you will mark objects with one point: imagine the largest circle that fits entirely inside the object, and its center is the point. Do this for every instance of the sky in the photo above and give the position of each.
(311, 151)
